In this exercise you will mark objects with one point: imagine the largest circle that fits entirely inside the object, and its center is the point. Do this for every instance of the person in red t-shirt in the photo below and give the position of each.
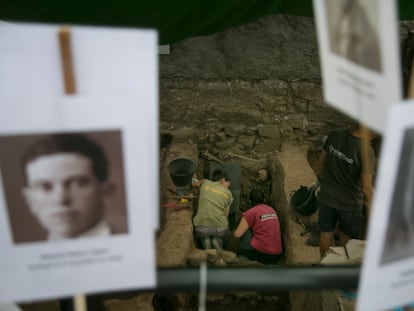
(259, 231)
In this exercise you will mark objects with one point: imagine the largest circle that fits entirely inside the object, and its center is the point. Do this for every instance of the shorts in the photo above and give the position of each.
(205, 232)
(349, 222)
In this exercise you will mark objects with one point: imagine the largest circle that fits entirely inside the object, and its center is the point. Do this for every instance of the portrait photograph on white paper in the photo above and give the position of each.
(66, 214)
(353, 31)
(126, 70)
(64, 185)
(358, 44)
(388, 265)
(78, 193)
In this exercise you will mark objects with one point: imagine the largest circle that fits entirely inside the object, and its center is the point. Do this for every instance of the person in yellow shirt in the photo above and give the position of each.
(211, 220)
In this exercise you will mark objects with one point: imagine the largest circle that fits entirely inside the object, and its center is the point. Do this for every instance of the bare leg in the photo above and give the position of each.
(324, 242)
(343, 239)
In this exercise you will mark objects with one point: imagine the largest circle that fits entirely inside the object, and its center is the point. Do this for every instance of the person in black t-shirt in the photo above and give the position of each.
(345, 186)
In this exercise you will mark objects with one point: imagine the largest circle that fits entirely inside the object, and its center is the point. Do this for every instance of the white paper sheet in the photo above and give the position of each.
(117, 78)
(9, 307)
(387, 277)
(107, 62)
(359, 54)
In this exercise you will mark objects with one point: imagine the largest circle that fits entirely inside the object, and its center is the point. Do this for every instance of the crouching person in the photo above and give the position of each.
(259, 231)
(211, 220)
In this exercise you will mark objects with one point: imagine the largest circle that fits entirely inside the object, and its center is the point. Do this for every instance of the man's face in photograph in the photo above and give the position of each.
(64, 194)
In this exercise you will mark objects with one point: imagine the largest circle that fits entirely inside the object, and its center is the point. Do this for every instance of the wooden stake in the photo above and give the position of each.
(366, 163)
(67, 61)
(80, 302)
(365, 133)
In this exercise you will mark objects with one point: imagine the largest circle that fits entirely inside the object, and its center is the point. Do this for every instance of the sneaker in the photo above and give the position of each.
(217, 243)
(206, 243)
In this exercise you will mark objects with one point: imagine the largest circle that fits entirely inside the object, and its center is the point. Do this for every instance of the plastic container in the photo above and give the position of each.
(303, 201)
(181, 171)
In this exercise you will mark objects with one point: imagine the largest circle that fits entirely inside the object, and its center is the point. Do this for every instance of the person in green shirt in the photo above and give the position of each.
(211, 220)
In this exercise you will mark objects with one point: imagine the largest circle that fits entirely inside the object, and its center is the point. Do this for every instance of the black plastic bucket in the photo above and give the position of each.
(181, 171)
(304, 201)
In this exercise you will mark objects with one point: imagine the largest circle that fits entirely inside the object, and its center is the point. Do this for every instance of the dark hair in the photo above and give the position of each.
(256, 197)
(353, 125)
(70, 143)
(218, 174)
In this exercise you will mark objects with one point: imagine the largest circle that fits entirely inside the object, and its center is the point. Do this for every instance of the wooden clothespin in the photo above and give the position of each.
(67, 60)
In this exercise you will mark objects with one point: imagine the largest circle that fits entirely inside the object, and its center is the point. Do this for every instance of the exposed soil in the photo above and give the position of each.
(298, 171)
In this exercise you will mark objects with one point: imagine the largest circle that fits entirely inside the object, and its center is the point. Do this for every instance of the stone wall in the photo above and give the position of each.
(262, 75)
(265, 73)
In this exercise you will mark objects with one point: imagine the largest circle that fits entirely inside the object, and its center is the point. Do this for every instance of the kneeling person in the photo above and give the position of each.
(259, 231)
(211, 221)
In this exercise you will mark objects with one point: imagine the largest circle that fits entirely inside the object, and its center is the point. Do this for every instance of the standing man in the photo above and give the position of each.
(211, 220)
(345, 186)
(67, 186)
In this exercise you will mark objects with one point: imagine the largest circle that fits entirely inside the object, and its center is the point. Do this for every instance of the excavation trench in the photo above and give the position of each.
(176, 246)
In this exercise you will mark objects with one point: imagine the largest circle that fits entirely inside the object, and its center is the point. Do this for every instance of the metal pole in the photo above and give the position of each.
(260, 278)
